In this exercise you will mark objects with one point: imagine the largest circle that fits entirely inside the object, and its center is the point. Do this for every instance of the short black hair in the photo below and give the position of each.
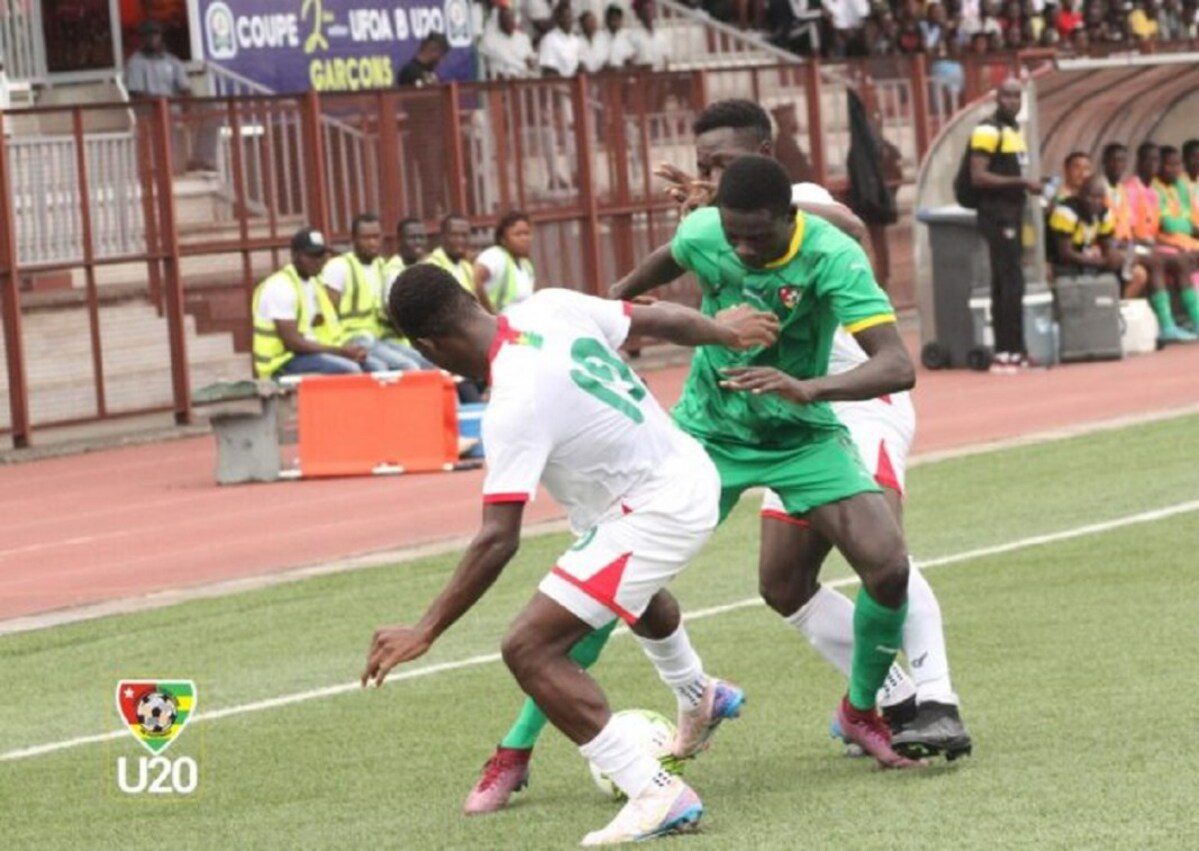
(509, 219)
(737, 114)
(1075, 155)
(403, 223)
(452, 217)
(1113, 148)
(426, 301)
(436, 38)
(613, 11)
(362, 219)
(1168, 151)
(1144, 149)
(1189, 147)
(755, 183)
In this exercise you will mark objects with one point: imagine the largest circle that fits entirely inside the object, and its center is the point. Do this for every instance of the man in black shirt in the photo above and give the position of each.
(421, 70)
(998, 155)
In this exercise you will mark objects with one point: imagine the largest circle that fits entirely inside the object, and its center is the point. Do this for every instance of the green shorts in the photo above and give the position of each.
(823, 470)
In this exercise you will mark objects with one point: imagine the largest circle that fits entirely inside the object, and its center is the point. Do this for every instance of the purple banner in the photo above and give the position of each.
(332, 45)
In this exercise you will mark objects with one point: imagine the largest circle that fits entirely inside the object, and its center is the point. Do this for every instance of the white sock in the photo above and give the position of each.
(629, 766)
(678, 665)
(827, 622)
(924, 642)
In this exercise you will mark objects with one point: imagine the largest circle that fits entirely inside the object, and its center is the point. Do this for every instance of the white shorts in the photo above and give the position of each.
(616, 567)
(883, 431)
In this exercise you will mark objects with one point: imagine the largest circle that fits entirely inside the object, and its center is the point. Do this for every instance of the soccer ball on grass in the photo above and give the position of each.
(651, 731)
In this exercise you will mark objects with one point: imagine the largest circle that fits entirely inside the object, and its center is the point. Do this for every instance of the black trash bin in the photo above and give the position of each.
(961, 269)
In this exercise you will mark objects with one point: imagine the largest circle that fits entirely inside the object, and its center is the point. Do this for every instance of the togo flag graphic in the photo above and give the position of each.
(156, 711)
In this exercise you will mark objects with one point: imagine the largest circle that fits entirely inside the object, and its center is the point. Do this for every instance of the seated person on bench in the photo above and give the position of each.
(295, 325)
(1081, 242)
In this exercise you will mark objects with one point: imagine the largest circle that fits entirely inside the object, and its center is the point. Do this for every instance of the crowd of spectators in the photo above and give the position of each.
(948, 29)
(519, 40)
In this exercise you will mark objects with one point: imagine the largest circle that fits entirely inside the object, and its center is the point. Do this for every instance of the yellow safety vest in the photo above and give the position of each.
(463, 271)
(358, 308)
(505, 291)
(270, 354)
(391, 270)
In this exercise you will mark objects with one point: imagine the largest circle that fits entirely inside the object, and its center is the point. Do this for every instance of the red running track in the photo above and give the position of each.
(126, 522)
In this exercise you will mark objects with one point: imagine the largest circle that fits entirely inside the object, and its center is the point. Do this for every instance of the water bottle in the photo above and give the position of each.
(1050, 191)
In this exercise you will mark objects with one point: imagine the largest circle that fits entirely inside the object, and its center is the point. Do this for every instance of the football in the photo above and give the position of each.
(156, 712)
(653, 732)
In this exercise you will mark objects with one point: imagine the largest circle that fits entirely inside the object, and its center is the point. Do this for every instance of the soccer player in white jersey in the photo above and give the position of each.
(567, 412)
(923, 714)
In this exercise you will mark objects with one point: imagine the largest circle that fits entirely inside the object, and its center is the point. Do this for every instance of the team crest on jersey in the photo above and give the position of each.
(790, 296)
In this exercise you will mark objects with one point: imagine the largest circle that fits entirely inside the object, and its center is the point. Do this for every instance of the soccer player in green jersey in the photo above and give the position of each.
(762, 415)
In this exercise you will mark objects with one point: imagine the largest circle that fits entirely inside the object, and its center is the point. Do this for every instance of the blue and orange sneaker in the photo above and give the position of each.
(667, 806)
(721, 701)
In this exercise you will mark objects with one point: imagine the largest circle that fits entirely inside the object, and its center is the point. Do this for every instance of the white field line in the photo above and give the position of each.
(221, 588)
(488, 658)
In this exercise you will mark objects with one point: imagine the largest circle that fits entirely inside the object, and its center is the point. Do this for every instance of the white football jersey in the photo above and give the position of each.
(566, 411)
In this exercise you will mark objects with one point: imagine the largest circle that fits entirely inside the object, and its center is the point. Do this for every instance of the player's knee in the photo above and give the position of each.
(519, 650)
(888, 581)
(788, 595)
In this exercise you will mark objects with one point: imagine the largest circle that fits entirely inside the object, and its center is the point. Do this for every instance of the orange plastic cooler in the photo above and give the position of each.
(355, 425)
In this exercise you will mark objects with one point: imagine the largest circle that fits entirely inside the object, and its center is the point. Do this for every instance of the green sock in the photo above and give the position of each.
(877, 637)
(1160, 302)
(1190, 300)
(531, 720)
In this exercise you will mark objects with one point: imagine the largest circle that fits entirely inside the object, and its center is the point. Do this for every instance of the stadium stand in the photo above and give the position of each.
(577, 154)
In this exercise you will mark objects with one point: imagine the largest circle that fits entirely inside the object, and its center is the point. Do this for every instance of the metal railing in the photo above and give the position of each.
(576, 154)
(21, 40)
(47, 196)
(699, 41)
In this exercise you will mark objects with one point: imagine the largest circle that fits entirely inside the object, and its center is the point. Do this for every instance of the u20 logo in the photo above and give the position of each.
(155, 711)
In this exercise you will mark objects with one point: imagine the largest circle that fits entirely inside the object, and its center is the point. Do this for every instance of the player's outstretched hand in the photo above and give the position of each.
(765, 379)
(391, 646)
(688, 192)
(750, 326)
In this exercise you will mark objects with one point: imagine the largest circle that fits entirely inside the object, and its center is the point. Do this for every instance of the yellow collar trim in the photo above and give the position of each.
(796, 242)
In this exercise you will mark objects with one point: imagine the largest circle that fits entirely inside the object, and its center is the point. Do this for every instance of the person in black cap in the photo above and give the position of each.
(295, 325)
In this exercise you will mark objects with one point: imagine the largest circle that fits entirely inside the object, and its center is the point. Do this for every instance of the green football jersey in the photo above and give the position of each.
(824, 280)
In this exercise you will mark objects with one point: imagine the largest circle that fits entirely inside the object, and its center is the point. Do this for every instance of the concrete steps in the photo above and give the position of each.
(135, 355)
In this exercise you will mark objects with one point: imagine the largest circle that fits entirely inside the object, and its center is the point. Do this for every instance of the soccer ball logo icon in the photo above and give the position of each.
(156, 713)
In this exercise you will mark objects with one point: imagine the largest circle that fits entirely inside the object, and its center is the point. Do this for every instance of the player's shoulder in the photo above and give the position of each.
(701, 227)
(822, 239)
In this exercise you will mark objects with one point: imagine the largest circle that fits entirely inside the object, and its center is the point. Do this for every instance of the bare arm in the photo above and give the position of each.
(297, 343)
(656, 270)
(888, 370)
(1067, 253)
(481, 276)
(740, 327)
(493, 547)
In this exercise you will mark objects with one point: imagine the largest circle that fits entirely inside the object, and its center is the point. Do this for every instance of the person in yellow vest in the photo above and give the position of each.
(451, 254)
(357, 282)
(1190, 176)
(296, 329)
(1177, 228)
(412, 241)
(504, 274)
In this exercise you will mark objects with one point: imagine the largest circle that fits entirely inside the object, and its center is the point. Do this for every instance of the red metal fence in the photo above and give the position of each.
(187, 251)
